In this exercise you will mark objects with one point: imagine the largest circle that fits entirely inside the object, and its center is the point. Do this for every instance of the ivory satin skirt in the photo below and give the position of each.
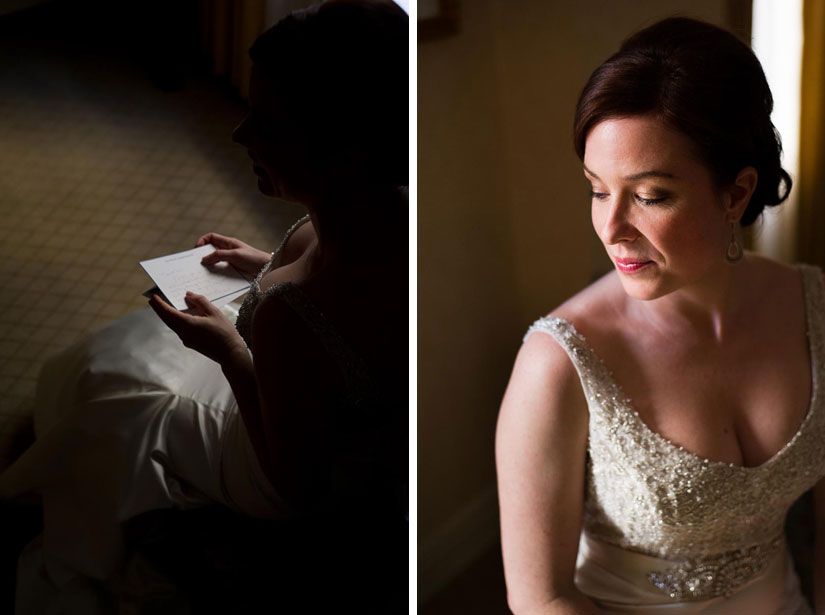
(128, 420)
(616, 580)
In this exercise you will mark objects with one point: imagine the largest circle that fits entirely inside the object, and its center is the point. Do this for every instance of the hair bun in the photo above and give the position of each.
(705, 83)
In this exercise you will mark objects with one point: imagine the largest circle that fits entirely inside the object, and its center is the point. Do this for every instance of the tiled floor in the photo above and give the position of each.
(100, 169)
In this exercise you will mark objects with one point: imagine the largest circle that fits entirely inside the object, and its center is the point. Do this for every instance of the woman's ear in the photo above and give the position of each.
(740, 192)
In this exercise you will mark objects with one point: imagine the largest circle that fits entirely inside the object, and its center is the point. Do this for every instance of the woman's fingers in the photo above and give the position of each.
(159, 305)
(215, 257)
(201, 303)
(219, 241)
(204, 239)
(168, 314)
(174, 318)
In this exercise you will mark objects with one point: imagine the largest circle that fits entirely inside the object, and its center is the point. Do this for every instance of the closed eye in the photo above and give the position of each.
(645, 201)
(601, 196)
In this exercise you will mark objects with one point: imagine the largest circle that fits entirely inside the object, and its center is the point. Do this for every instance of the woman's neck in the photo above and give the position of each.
(708, 309)
(353, 221)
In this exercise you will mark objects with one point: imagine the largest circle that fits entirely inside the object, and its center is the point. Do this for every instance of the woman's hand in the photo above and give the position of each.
(242, 256)
(205, 330)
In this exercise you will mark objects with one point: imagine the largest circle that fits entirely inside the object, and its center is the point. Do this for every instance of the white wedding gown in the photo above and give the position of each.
(666, 531)
(128, 420)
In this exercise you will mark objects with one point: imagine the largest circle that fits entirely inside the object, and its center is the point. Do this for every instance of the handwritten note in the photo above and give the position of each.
(174, 274)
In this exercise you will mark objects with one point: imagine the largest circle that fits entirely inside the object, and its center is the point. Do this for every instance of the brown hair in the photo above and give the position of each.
(705, 83)
(343, 68)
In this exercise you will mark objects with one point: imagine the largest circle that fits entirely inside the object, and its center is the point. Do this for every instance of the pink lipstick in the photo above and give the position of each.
(631, 265)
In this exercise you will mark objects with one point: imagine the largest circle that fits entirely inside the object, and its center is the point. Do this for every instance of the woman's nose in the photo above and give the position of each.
(616, 225)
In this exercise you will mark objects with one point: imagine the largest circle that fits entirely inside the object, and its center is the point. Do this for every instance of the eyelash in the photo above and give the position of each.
(602, 196)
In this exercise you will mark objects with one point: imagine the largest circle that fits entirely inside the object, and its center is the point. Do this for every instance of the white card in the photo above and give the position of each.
(175, 274)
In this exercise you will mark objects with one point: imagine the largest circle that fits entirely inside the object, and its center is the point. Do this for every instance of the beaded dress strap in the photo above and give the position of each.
(813, 286)
(243, 320)
(588, 365)
(299, 223)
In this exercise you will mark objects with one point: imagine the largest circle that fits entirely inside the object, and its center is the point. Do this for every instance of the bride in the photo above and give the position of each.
(659, 424)
(292, 403)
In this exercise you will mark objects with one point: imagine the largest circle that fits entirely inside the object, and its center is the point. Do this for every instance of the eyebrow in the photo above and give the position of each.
(637, 176)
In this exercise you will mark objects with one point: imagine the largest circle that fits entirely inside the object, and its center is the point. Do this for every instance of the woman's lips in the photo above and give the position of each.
(631, 265)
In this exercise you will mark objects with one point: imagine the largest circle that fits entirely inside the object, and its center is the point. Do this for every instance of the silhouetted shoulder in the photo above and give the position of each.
(301, 239)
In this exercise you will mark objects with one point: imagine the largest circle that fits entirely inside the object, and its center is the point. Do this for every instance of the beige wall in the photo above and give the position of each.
(504, 231)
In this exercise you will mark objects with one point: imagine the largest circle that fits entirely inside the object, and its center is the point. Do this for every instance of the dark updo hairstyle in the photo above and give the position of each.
(343, 69)
(705, 83)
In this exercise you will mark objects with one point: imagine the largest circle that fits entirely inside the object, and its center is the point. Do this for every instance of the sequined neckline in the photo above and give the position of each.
(266, 268)
(680, 450)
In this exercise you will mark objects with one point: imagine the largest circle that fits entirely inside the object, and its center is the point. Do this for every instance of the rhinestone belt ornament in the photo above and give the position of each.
(721, 575)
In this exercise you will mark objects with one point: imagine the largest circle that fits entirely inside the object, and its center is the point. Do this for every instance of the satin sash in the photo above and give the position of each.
(617, 581)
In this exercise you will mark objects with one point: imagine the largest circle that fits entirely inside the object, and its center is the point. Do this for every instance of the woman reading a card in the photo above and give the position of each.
(295, 404)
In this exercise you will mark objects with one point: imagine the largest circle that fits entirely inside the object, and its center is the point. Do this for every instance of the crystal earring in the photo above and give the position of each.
(734, 252)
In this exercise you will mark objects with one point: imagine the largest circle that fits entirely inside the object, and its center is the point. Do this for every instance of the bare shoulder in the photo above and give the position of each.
(770, 271)
(301, 239)
(543, 422)
(775, 285)
(290, 264)
(544, 366)
(594, 308)
(545, 391)
(542, 359)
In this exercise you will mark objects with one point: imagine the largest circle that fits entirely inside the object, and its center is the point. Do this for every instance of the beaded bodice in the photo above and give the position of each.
(356, 374)
(365, 422)
(718, 523)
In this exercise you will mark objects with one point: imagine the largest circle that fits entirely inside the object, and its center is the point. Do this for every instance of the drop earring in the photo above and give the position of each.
(734, 252)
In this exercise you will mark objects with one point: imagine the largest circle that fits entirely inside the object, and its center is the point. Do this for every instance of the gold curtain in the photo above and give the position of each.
(228, 29)
(811, 180)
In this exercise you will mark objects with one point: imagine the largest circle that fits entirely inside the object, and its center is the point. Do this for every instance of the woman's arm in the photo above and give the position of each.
(819, 547)
(209, 332)
(296, 384)
(284, 393)
(239, 370)
(541, 442)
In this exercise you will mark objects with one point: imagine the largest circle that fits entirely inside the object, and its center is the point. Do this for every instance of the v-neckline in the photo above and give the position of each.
(627, 403)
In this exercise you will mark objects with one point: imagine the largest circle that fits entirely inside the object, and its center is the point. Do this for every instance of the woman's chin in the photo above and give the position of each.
(643, 290)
